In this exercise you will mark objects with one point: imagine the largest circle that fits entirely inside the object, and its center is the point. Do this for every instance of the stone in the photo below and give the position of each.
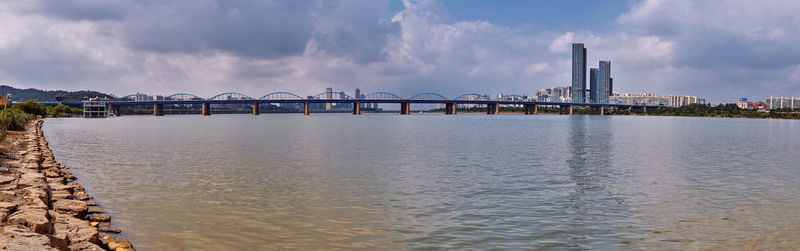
(31, 180)
(32, 193)
(60, 195)
(51, 173)
(85, 245)
(77, 187)
(109, 229)
(20, 238)
(76, 208)
(7, 179)
(99, 218)
(114, 243)
(36, 220)
(83, 197)
(80, 193)
(10, 206)
(96, 210)
(75, 229)
(91, 203)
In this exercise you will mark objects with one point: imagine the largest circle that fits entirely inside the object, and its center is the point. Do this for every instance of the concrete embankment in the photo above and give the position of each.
(41, 205)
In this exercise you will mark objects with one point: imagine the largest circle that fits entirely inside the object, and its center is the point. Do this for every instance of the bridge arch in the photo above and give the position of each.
(381, 95)
(130, 97)
(429, 96)
(281, 96)
(471, 96)
(333, 95)
(230, 96)
(183, 96)
(513, 98)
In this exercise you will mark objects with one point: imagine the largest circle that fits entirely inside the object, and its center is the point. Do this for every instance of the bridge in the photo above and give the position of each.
(492, 105)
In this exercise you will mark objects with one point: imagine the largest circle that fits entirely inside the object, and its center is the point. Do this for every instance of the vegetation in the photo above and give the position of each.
(707, 110)
(13, 119)
(63, 111)
(69, 96)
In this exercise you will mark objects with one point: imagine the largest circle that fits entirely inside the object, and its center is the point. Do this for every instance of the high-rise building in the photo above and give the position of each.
(578, 73)
(328, 95)
(358, 96)
(611, 87)
(603, 82)
(593, 85)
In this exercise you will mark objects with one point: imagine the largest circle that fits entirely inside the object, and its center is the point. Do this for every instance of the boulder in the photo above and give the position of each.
(109, 229)
(96, 210)
(75, 229)
(36, 220)
(20, 238)
(31, 180)
(9, 206)
(85, 246)
(61, 195)
(75, 208)
(99, 218)
(7, 179)
(114, 243)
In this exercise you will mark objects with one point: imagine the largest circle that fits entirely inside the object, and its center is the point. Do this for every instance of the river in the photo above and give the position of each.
(382, 181)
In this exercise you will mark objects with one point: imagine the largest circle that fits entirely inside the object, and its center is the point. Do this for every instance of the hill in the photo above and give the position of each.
(45, 96)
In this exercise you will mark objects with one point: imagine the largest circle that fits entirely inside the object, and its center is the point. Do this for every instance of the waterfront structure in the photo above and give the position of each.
(95, 108)
(645, 98)
(774, 102)
(603, 82)
(328, 95)
(358, 95)
(744, 104)
(578, 73)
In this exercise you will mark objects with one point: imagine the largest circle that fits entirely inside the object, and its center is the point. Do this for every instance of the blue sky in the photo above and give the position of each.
(715, 49)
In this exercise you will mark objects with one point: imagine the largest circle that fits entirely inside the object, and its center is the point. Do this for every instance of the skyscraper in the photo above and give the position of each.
(604, 81)
(358, 96)
(578, 73)
(593, 85)
(611, 87)
(328, 95)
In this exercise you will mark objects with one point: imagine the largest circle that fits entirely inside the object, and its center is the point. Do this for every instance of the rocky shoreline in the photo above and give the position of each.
(41, 205)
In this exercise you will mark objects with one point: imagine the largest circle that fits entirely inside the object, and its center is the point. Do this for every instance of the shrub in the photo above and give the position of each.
(14, 119)
(60, 111)
(33, 107)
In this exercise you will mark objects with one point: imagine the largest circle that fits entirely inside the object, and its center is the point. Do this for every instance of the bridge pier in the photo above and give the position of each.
(602, 110)
(492, 109)
(405, 108)
(115, 109)
(450, 108)
(255, 109)
(158, 109)
(531, 109)
(356, 108)
(565, 109)
(206, 109)
(305, 108)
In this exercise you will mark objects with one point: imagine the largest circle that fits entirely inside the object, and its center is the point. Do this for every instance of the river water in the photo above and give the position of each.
(380, 181)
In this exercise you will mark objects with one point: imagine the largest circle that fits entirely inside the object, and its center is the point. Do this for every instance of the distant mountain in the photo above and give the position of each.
(49, 96)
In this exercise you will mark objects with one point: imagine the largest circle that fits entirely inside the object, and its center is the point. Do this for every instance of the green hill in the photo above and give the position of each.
(49, 96)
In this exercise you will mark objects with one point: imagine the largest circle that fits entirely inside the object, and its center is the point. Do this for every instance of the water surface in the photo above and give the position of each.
(332, 181)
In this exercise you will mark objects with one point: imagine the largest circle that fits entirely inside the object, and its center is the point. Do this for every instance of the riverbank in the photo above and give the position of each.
(41, 205)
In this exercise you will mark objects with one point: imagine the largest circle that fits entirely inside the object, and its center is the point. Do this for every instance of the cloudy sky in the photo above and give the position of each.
(717, 49)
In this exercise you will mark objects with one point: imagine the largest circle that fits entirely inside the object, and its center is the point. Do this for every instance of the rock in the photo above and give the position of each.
(93, 224)
(91, 203)
(83, 197)
(60, 195)
(51, 173)
(36, 220)
(109, 229)
(75, 229)
(10, 206)
(77, 187)
(31, 180)
(56, 180)
(87, 246)
(114, 243)
(99, 218)
(4, 215)
(23, 239)
(96, 210)
(7, 179)
(76, 208)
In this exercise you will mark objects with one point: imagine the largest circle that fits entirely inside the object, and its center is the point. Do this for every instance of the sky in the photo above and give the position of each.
(720, 50)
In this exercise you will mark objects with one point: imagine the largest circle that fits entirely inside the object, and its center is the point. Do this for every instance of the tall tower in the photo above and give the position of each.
(578, 73)
(604, 81)
(593, 85)
(358, 96)
(328, 95)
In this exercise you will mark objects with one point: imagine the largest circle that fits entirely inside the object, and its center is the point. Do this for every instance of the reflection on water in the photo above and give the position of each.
(412, 182)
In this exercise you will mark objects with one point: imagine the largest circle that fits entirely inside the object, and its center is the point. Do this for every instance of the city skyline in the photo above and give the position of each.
(448, 47)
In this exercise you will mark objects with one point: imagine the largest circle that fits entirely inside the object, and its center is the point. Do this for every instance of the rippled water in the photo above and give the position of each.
(433, 181)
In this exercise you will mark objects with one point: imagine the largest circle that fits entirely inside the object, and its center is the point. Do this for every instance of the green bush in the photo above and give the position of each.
(33, 107)
(60, 111)
(14, 119)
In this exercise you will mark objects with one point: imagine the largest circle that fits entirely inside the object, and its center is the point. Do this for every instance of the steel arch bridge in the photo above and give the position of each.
(513, 98)
(382, 96)
(333, 95)
(129, 97)
(230, 96)
(472, 96)
(183, 96)
(428, 96)
(281, 96)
